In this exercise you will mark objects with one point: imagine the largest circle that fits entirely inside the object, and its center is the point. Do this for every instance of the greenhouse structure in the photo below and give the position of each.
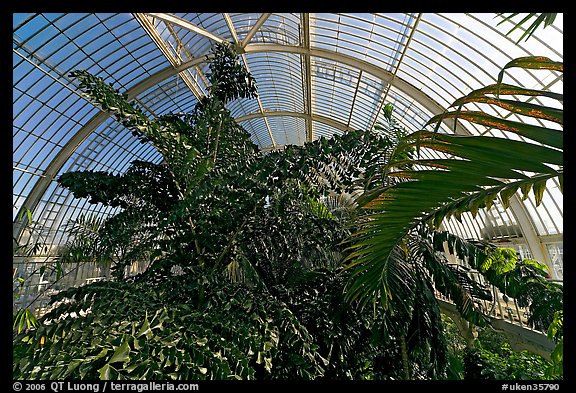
(287, 196)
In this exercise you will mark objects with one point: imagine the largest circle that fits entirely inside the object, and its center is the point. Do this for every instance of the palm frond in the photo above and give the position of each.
(476, 170)
(394, 277)
(545, 18)
(452, 281)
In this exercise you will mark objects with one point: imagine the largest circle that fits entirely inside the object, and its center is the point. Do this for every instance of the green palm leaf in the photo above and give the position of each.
(539, 134)
(546, 18)
(534, 63)
(522, 108)
(475, 171)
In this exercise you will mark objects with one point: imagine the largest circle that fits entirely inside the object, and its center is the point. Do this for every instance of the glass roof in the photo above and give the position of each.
(317, 75)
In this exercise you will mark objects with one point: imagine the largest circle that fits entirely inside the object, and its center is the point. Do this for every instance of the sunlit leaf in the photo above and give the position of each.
(121, 354)
(538, 189)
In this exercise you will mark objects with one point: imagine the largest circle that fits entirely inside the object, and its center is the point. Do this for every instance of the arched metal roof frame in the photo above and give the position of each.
(133, 92)
(247, 47)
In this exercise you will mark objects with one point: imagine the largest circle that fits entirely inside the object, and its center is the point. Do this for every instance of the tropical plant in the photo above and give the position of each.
(245, 256)
(525, 281)
(476, 171)
(24, 318)
(456, 348)
(545, 18)
(491, 357)
(556, 332)
(83, 246)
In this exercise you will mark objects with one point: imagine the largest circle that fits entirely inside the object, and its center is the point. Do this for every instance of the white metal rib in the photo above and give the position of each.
(260, 106)
(150, 29)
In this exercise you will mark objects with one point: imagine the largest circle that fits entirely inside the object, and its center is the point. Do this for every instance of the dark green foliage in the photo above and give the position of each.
(245, 258)
(456, 346)
(228, 78)
(556, 332)
(205, 330)
(476, 170)
(451, 281)
(493, 358)
(143, 183)
(245, 254)
(100, 186)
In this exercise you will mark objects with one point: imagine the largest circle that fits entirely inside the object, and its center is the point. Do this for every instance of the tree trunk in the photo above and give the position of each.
(404, 353)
